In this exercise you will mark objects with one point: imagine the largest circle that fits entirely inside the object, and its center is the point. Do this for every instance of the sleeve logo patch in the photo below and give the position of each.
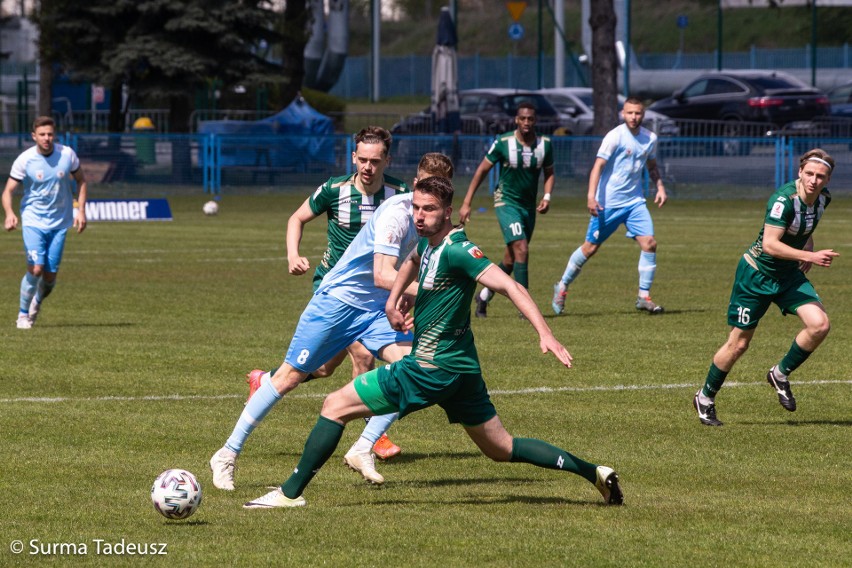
(777, 210)
(475, 252)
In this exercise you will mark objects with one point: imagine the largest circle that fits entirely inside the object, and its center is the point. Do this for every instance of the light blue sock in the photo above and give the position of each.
(377, 426)
(44, 289)
(575, 264)
(256, 409)
(29, 283)
(647, 268)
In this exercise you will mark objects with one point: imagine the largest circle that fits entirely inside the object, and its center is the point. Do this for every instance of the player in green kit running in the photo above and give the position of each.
(522, 156)
(772, 270)
(443, 367)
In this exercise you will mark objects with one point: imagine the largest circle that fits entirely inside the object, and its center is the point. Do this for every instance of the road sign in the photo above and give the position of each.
(682, 22)
(516, 31)
(516, 8)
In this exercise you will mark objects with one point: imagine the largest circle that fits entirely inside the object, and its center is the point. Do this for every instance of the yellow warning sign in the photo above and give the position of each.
(516, 8)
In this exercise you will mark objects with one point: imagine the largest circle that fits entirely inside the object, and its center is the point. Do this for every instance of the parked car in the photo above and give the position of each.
(577, 112)
(770, 98)
(487, 111)
(840, 99)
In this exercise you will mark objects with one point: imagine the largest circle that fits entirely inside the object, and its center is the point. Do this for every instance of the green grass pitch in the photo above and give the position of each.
(137, 365)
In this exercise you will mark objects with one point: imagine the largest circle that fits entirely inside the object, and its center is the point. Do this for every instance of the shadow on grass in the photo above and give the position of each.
(801, 423)
(668, 312)
(506, 499)
(61, 325)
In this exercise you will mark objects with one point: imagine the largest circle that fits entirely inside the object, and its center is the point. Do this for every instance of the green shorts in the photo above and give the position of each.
(515, 223)
(406, 387)
(753, 292)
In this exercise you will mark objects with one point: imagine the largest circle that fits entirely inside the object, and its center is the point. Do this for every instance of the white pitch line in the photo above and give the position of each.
(501, 392)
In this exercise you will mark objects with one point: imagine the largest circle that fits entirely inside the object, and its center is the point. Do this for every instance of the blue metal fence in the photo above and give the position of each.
(404, 76)
(169, 164)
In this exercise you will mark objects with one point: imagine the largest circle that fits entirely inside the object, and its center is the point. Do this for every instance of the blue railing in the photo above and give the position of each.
(168, 164)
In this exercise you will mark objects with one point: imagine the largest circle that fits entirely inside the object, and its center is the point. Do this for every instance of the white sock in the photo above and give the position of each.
(705, 400)
(644, 294)
(779, 376)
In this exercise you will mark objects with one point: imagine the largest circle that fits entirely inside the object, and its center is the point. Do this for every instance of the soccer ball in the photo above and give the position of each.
(176, 494)
(210, 208)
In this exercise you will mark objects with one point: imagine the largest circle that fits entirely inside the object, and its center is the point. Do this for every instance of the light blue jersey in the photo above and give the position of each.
(389, 231)
(48, 201)
(626, 155)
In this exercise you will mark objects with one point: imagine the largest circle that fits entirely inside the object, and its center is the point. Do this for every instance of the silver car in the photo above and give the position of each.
(577, 112)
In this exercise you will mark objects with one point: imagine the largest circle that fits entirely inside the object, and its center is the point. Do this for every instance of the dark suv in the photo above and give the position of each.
(777, 99)
(487, 111)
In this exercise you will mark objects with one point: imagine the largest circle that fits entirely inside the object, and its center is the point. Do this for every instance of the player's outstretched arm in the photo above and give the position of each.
(295, 225)
(498, 281)
(482, 171)
(82, 195)
(11, 222)
(397, 309)
(594, 179)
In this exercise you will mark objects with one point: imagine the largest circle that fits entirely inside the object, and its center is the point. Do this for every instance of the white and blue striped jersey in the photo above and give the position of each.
(48, 201)
(626, 155)
(389, 231)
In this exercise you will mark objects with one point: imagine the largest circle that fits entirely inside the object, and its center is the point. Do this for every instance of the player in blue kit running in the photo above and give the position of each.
(615, 198)
(347, 306)
(48, 171)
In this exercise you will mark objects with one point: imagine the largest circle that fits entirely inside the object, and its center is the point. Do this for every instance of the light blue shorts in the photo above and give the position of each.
(636, 218)
(44, 247)
(328, 326)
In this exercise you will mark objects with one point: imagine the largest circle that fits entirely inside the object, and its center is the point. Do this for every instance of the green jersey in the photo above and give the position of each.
(786, 210)
(447, 282)
(520, 168)
(348, 210)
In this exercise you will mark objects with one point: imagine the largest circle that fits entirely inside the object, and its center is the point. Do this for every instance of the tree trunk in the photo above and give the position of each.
(604, 65)
(179, 111)
(295, 32)
(116, 110)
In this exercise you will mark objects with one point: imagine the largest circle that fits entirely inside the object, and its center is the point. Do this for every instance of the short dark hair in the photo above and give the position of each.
(436, 164)
(634, 101)
(374, 135)
(43, 121)
(526, 104)
(437, 186)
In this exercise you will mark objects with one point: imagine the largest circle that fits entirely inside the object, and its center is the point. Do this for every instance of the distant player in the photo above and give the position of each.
(48, 171)
(523, 156)
(772, 271)
(616, 198)
(443, 367)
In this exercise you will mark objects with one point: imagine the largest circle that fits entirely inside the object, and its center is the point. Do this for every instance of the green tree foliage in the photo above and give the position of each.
(166, 50)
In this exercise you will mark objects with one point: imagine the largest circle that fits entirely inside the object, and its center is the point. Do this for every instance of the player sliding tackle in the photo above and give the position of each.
(443, 366)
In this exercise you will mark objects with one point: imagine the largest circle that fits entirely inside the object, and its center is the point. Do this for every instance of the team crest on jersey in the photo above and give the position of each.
(60, 174)
(777, 210)
(40, 175)
(475, 252)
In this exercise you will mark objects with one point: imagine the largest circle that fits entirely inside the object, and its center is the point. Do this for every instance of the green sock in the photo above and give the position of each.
(320, 446)
(715, 378)
(793, 359)
(542, 454)
(507, 270)
(522, 274)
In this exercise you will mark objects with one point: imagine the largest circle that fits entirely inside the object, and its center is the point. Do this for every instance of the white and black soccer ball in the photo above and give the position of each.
(176, 494)
(210, 208)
